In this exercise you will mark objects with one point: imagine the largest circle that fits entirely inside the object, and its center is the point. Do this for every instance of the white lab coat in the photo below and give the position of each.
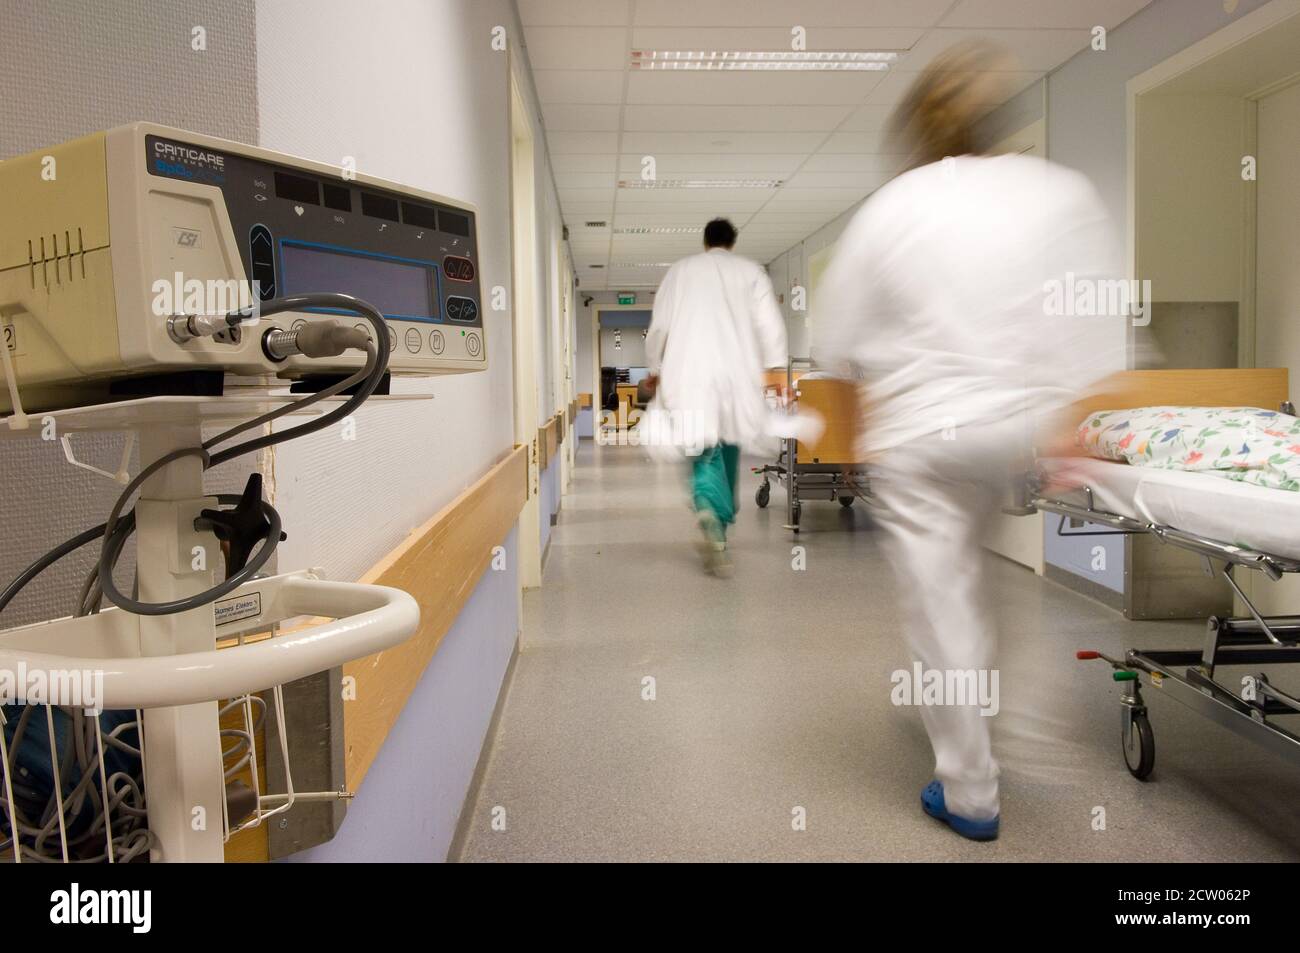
(936, 294)
(715, 328)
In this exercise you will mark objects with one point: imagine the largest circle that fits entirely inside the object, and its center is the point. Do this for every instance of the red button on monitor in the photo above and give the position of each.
(457, 268)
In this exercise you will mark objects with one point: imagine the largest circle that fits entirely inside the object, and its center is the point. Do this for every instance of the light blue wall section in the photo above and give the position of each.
(585, 424)
(1099, 559)
(409, 804)
(625, 319)
(549, 499)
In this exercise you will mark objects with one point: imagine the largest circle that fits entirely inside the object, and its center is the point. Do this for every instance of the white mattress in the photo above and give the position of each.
(1255, 517)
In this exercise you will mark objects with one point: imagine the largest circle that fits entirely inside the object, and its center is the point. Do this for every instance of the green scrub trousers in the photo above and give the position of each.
(714, 482)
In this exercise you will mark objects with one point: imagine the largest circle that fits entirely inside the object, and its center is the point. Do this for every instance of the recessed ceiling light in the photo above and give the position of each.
(836, 60)
(699, 183)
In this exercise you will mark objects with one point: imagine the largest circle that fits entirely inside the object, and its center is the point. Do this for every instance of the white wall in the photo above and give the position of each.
(1277, 274)
(1087, 120)
(631, 350)
(790, 270)
(1189, 216)
(414, 91)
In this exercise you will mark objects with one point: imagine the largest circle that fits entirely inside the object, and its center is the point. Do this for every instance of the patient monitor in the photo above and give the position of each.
(108, 240)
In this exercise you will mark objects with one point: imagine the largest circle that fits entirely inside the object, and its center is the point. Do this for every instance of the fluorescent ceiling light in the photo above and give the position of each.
(699, 183)
(659, 230)
(641, 264)
(836, 60)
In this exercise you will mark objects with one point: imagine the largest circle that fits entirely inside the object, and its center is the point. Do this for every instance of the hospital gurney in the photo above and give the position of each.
(1116, 498)
(824, 469)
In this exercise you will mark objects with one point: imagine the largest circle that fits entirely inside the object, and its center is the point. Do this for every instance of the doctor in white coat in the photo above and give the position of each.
(939, 295)
(715, 328)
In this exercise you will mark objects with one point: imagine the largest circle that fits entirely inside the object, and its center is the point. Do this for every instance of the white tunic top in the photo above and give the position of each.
(941, 293)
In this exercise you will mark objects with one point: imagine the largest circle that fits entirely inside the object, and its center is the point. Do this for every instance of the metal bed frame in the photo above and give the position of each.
(830, 481)
(1189, 674)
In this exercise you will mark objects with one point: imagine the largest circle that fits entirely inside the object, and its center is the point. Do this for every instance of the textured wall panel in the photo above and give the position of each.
(68, 68)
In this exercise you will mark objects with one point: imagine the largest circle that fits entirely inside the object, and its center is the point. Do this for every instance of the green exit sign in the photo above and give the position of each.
(626, 297)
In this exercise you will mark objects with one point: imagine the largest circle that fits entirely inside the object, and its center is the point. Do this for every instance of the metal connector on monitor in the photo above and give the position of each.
(317, 339)
(186, 327)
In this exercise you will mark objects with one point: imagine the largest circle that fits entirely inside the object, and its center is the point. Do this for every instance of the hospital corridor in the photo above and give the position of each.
(771, 696)
(650, 432)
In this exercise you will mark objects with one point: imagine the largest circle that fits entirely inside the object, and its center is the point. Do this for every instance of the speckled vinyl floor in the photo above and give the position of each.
(772, 692)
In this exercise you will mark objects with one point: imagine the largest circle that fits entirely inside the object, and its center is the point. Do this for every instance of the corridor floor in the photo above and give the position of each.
(772, 702)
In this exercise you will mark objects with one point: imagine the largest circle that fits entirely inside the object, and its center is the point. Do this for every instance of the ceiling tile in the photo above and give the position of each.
(1041, 13)
(838, 180)
(579, 86)
(752, 118)
(696, 165)
(747, 88)
(584, 180)
(868, 118)
(574, 12)
(854, 162)
(854, 142)
(783, 13)
(1033, 50)
(564, 118)
(581, 48)
(561, 143)
(662, 143)
(579, 162)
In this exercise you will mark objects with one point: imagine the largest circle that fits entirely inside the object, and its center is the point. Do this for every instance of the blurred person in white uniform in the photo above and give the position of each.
(938, 298)
(715, 328)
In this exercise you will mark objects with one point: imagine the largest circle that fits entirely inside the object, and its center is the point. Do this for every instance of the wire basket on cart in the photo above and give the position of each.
(81, 782)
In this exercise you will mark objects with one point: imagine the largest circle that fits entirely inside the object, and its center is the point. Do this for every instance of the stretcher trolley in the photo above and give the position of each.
(1234, 527)
(825, 469)
(1252, 707)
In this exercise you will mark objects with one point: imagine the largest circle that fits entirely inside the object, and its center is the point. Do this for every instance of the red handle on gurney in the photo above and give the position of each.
(1122, 672)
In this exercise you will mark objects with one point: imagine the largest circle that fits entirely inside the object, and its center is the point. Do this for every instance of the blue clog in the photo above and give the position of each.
(933, 804)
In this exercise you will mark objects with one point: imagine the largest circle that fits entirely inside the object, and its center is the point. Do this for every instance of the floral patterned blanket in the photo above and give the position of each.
(1238, 443)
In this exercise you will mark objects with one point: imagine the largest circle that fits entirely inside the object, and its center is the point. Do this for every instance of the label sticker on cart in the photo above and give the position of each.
(10, 335)
(237, 607)
(1156, 679)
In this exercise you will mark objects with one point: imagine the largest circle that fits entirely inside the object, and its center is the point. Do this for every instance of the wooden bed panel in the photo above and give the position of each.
(838, 404)
(1265, 387)
(1197, 387)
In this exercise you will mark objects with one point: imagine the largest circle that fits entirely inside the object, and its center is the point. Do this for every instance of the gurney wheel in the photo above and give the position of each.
(846, 501)
(763, 495)
(1139, 747)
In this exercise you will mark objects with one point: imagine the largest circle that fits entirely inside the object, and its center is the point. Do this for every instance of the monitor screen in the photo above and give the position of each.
(399, 289)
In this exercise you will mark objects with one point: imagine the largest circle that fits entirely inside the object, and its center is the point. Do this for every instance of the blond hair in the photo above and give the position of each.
(938, 116)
